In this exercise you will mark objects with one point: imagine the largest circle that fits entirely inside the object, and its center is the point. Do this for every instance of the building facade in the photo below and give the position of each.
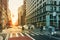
(43, 12)
(9, 23)
(0, 15)
(3, 13)
(20, 13)
(24, 14)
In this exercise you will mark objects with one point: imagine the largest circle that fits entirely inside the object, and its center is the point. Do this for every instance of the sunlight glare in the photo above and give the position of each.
(13, 6)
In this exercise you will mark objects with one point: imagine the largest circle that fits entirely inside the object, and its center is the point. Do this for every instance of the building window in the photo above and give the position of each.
(43, 0)
(44, 17)
(51, 16)
(37, 0)
(51, 2)
(33, 1)
(37, 4)
(55, 17)
(51, 8)
(59, 8)
(51, 22)
(44, 4)
(44, 9)
(59, 2)
(59, 16)
(40, 1)
(40, 18)
(54, 8)
(55, 2)
(40, 6)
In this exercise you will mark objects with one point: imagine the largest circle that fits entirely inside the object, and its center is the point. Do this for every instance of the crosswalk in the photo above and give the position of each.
(22, 34)
(28, 36)
(12, 35)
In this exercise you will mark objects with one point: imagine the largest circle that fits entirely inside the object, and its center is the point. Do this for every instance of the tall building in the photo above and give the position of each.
(0, 15)
(20, 13)
(0, 10)
(24, 14)
(43, 12)
(9, 13)
(3, 13)
(9, 18)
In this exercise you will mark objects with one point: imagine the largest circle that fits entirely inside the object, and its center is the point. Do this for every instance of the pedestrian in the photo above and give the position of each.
(44, 28)
(41, 28)
(1, 28)
(22, 28)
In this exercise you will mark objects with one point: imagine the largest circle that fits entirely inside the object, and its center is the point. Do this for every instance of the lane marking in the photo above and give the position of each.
(29, 36)
(35, 33)
(22, 34)
(32, 34)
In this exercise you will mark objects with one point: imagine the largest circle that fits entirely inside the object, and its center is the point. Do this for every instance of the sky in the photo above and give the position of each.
(13, 6)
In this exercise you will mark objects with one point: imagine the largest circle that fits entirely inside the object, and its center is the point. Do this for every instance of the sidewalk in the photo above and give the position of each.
(44, 32)
(36, 30)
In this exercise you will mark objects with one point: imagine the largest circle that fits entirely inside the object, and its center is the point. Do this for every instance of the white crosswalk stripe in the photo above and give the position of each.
(10, 35)
(26, 34)
(22, 34)
(32, 34)
(29, 36)
(17, 35)
(35, 33)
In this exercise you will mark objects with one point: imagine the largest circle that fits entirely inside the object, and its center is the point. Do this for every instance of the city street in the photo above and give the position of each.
(29, 35)
(18, 36)
(29, 19)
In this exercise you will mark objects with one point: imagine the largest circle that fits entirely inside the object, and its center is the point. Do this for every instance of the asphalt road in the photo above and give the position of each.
(31, 36)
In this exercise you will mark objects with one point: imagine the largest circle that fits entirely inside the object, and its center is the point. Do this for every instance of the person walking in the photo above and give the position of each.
(41, 28)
